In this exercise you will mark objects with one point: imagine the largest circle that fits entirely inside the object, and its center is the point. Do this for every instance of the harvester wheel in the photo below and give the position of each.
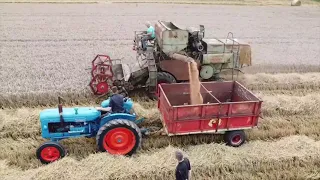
(235, 138)
(120, 137)
(162, 77)
(50, 151)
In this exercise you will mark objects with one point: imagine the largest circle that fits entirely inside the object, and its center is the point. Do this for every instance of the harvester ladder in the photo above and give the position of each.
(152, 68)
(236, 55)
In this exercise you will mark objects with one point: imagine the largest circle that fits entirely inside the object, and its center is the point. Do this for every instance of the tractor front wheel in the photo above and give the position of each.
(235, 138)
(120, 137)
(49, 152)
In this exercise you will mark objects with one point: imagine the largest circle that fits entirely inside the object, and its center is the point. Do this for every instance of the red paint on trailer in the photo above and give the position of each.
(227, 105)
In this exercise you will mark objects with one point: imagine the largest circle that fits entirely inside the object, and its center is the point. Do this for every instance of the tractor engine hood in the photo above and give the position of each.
(70, 114)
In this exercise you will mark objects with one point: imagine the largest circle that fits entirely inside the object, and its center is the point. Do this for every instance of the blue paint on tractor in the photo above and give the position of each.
(69, 114)
(105, 103)
(79, 121)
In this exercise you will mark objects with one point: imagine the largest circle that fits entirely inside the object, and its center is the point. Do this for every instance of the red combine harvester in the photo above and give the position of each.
(228, 108)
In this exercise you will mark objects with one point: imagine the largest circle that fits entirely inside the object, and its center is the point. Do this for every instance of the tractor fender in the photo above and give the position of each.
(109, 117)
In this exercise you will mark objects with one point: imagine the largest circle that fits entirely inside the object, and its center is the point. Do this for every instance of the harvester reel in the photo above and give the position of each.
(102, 64)
(100, 84)
(101, 59)
(102, 75)
(102, 69)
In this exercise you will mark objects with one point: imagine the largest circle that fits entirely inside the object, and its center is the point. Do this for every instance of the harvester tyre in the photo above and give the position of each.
(119, 137)
(235, 138)
(162, 77)
(50, 151)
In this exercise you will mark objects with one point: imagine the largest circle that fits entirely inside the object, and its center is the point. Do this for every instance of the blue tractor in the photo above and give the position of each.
(115, 133)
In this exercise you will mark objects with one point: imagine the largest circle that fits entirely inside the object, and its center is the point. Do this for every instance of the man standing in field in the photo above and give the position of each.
(150, 35)
(186, 160)
(183, 170)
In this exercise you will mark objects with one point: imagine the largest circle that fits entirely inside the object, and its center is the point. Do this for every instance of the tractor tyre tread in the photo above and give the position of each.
(119, 123)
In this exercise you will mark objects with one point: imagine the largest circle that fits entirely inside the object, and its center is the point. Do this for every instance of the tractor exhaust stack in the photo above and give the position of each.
(60, 110)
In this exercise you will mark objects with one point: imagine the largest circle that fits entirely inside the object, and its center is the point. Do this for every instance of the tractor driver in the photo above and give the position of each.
(150, 35)
(116, 101)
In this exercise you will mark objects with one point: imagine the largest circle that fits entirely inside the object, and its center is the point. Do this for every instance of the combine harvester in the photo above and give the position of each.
(166, 60)
(190, 107)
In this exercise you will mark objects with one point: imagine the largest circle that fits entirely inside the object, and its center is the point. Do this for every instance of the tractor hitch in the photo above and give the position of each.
(152, 130)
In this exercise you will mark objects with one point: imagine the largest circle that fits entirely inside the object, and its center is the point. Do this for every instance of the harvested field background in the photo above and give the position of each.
(207, 2)
(45, 50)
(58, 42)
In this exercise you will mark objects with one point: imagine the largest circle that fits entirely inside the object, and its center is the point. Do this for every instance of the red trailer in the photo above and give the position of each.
(228, 108)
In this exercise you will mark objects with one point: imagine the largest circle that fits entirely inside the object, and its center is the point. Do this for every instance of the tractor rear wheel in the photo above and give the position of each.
(50, 151)
(120, 137)
(162, 77)
(235, 138)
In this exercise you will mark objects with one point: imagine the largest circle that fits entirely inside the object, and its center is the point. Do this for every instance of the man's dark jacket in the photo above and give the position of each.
(182, 171)
(116, 103)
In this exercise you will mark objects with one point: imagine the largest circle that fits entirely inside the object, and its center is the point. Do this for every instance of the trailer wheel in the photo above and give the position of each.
(235, 138)
(49, 152)
(162, 77)
(121, 137)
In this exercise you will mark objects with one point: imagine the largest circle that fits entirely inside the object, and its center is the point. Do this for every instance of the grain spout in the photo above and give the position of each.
(195, 95)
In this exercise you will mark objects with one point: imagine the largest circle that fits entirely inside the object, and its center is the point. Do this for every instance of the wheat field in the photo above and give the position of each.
(290, 128)
(46, 50)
